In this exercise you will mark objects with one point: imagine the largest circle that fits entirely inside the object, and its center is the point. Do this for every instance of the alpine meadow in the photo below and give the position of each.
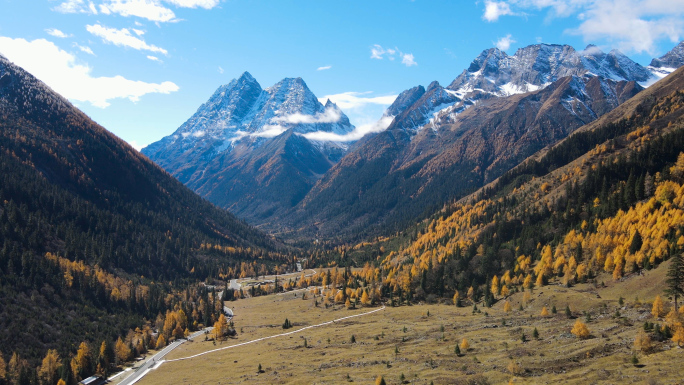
(394, 192)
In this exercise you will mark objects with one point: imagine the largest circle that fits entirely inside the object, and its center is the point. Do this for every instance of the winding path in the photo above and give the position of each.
(274, 336)
(156, 359)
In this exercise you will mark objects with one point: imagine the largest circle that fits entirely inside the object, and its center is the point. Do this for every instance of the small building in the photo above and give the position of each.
(93, 380)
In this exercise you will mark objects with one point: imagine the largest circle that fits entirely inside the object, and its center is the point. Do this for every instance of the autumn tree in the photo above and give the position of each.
(161, 341)
(122, 351)
(675, 279)
(47, 371)
(365, 300)
(507, 307)
(495, 286)
(220, 328)
(642, 342)
(678, 336)
(103, 359)
(465, 345)
(3, 368)
(581, 330)
(658, 309)
(504, 291)
(82, 362)
(544, 312)
(380, 381)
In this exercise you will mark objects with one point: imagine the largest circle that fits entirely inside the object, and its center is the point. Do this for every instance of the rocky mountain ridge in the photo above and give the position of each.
(496, 74)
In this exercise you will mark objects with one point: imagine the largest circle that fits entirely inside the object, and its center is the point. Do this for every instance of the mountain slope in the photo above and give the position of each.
(569, 214)
(242, 143)
(93, 233)
(397, 176)
(455, 139)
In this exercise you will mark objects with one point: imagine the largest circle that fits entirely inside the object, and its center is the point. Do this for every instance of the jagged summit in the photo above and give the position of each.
(494, 73)
(242, 110)
(245, 138)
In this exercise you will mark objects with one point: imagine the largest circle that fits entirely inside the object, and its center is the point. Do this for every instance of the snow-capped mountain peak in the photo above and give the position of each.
(494, 73)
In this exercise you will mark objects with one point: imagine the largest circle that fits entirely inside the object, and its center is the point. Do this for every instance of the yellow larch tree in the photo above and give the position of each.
(527, 283)
(80, 364)
(495, 286)
(161, 342)
(658, 309)
(507, 307)
(365, 300)
(678, 336)
(122, 351)
(580, 330)
(544, 312)
(220, 327)
(504, 291)
(465, 345)
(47, 371)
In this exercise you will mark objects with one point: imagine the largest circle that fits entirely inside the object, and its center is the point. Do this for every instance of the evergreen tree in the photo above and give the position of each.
(675, 279)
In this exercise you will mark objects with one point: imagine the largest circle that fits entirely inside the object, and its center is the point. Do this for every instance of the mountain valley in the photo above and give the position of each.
(522, 224)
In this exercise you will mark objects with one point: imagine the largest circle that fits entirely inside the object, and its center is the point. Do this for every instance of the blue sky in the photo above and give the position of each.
(142, 67)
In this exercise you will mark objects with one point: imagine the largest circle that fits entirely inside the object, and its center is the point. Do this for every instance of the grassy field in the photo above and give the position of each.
(418, 342)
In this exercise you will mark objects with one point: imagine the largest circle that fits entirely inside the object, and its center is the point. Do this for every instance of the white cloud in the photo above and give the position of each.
(84, 49)
(56, 33)
(269, 131)
(151, 10)
(206, 4)
(379, 53)
(630, 25)
(154, 58)
(323, 68)
(123, 38)
(407, 59)
(505, 42)
(220, 70)
(135, 145)
(496, 9)
(358, 133)
(138, 32)
(352, 100)
(60, 70)
(76, 6)
(330, 115)
(633, 25)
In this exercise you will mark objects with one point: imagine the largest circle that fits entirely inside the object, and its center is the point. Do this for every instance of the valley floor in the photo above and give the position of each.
(418, 342)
